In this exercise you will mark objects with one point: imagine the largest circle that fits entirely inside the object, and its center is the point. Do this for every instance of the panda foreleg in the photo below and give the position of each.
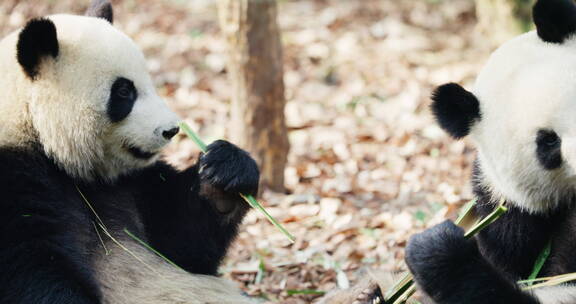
(225, 172)
(192, 216)
(451, 270)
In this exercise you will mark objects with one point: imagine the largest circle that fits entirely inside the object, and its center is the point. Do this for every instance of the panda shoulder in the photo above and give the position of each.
(28, 179)
(17, 163)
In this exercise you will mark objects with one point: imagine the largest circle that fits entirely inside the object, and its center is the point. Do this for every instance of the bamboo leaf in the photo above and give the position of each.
(539, 263)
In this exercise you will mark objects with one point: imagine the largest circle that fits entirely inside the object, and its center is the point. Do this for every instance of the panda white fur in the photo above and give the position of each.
(521, 116)
(81, 127)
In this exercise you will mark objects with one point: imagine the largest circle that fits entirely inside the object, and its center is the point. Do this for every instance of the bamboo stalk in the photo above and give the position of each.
(550, 281)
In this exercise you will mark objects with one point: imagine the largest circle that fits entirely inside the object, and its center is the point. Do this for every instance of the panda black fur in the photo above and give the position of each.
(80, 131)
(520, 116)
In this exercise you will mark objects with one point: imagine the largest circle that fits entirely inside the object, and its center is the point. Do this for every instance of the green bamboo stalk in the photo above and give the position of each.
(491, 218)
(186, 128)
(248, 198)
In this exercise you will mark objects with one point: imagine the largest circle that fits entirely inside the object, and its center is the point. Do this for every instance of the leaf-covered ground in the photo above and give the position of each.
(368, 166)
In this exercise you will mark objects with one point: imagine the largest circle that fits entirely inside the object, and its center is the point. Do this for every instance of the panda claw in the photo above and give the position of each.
(371, 295)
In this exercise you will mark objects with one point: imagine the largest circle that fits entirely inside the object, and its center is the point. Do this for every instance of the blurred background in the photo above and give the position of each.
(366, 165)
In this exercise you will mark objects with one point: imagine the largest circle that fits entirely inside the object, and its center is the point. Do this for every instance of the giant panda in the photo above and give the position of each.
(84, 199)
(521, 117)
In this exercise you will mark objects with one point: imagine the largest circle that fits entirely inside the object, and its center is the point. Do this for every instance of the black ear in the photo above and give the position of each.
(555, 19)
(37, 40)
(455, 109)
(101, 9)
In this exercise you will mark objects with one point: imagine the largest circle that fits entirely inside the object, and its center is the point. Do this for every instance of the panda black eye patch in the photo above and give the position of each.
(548, 149)
(123, 94)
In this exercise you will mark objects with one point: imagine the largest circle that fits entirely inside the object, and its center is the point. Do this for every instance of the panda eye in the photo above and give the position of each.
(124, 92)
(124, 89)
(551, 141)
(547, 138)
(123, 95)
(548, 150)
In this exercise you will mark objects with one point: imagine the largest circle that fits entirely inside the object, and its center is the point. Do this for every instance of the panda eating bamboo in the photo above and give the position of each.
(521, 116)
(83, 191)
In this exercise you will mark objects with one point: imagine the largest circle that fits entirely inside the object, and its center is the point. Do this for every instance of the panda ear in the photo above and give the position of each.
(555, 19)
(455, 109)
(101, 9)
(37, 40)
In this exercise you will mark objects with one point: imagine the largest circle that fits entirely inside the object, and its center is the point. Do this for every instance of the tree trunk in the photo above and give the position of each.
(256, 71)
(500, 20)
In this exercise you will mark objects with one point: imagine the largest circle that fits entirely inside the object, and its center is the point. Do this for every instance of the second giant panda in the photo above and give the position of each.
(521, 116)
(81, 186)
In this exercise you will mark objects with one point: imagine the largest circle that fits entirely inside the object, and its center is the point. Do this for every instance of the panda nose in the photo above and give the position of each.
(168, 134)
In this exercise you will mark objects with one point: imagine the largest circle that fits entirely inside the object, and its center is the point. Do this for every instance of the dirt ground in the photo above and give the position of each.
(368, 167)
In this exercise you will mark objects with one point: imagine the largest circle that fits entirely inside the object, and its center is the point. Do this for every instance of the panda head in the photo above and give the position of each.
(521, 113)
(79, 88)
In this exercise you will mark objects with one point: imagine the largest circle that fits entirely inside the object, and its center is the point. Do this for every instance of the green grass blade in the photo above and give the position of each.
(248, 198)
(292, 292)
(261, 270)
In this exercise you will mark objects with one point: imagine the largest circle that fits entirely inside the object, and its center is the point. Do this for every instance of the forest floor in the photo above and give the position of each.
(368, 166)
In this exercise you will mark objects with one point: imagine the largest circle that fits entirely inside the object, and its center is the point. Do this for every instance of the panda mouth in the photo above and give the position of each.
(139, 153)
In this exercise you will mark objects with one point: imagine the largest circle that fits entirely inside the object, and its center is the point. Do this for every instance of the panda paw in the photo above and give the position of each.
(432, 254)
(229, 169)
(436, 244)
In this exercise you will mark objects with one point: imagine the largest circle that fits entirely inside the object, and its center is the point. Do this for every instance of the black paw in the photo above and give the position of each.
(436, 256)
(229, 168)
(435, 245)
